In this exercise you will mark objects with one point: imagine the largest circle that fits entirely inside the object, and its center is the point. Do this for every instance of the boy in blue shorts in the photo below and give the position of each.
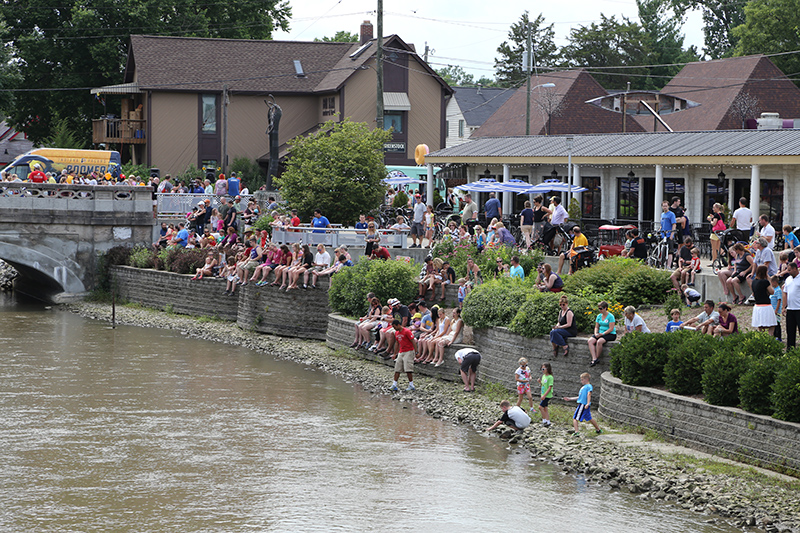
(583, 413)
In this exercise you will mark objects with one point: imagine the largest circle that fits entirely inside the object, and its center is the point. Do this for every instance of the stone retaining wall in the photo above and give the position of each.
(298, 313)
(341, 332)
(702, 426)
(167, 290)
(501, 349)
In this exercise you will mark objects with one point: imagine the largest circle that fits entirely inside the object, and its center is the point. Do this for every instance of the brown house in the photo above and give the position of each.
(715, 85)
(192, 100)
(562, 109)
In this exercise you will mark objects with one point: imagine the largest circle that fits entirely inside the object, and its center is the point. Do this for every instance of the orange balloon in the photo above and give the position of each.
(420, 153)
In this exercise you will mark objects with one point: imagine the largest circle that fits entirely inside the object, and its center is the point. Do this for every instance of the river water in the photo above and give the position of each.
(138, 430)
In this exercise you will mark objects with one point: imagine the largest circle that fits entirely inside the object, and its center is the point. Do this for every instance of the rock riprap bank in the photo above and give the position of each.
(739, 494)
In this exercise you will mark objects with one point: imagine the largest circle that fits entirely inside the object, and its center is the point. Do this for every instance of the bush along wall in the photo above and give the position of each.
(746, 370)
(387, 279)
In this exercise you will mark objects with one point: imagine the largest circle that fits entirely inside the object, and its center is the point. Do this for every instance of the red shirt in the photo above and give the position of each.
(381, 253)
(295, 221)
(37, 176)
(405, 340)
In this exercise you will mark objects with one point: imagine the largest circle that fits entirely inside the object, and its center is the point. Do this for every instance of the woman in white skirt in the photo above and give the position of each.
(763, 314)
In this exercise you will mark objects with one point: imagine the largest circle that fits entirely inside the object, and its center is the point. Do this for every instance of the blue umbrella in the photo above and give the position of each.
(517, 186)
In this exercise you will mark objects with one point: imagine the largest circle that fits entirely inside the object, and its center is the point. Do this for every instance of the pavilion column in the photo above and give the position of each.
(659, 196)
(429, 187)
(755, 190)
(576, 182)
(507, 195)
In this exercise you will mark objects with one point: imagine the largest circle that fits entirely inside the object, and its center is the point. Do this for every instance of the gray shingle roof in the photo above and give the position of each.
(662, 144)
(477, 105)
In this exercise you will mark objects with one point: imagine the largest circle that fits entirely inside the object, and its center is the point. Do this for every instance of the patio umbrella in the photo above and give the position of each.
(402, 180)
(483, 185)
(517, 186)
(555, 185)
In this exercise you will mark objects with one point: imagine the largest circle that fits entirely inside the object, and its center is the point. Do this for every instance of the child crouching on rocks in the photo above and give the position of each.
(514, 417)
(583, 413)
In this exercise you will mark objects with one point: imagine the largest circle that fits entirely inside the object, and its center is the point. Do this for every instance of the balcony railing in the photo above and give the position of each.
(119, 130)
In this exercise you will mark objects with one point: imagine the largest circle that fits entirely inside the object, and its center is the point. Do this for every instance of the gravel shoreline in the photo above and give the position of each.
(748, 499)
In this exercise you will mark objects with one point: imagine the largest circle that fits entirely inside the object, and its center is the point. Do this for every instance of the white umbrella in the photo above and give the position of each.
(483, 185)
(402, 180)
(555, 185)
(517, 186)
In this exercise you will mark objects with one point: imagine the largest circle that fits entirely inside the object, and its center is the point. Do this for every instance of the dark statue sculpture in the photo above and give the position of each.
(274, 116)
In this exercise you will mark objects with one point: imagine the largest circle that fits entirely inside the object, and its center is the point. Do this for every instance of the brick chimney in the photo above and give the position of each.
(366, 31)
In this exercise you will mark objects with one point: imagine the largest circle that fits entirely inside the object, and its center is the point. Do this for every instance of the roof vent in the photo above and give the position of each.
(298, 69)
(360, 50)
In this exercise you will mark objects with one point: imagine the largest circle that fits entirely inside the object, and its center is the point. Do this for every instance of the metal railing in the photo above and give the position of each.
(177, 204)
(336, 236)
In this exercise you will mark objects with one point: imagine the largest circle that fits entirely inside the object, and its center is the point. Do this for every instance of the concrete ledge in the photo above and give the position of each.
(720, 430)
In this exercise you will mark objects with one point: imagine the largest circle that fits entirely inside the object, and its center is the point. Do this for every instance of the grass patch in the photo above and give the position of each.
(734, 470)
(496, 392)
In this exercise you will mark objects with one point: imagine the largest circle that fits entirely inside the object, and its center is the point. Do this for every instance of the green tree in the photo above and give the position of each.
(485, 81)
(455, 76)
(77, 44)
(771, 27)
(251, 173)
(9, 73)
(339, 37)
(337, 170)
(508, 66)
(664, 41)
(610, 44)
(64, 137)
(720, 18)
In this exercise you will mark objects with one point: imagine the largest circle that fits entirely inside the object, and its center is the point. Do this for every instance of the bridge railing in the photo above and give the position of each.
(23, 189)
(336, 236)
(177, 204)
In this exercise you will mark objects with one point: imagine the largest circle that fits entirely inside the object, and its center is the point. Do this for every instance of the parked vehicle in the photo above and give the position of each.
(611, 240)
(56, 159)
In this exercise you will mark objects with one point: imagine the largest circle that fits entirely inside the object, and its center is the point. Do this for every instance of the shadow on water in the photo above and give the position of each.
(143, 430)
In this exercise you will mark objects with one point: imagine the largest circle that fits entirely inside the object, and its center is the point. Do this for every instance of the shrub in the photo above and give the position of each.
(639, 358)
(786, 389)
(537, 315)
(625, 280)
(250, 172)
(118, 255)
(673, 301)
(264, 222)
(644, 285)
(601, 276)
(495, 302)
(187, 261)
(755, 385)
(400, 200)
(757, 344)
(142, 257)
(683, 370)
(387, 279)
(721, 374)
(457, 255)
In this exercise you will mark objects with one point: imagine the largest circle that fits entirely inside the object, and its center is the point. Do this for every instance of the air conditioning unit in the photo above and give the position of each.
(770, 121)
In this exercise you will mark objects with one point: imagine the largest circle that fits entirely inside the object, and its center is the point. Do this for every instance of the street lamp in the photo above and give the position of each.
(528, 109)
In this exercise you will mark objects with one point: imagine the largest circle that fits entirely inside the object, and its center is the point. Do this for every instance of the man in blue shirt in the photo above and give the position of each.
(319, 221)
(516, 270)
(493, 208)
(668, 222)
(182, 238)
(233, 185)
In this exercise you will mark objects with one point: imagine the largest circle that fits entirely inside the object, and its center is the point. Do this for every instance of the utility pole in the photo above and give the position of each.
(625, 107)
(527, 68)
(379, 69)
(225, 129)
(425, 55)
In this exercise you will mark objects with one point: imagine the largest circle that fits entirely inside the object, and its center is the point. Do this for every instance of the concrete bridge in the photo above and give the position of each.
(52, 233)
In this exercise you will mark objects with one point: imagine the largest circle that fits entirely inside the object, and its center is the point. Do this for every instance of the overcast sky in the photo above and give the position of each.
(460, 32)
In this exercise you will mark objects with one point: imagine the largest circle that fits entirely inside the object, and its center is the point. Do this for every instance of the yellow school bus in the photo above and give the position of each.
(56, 159)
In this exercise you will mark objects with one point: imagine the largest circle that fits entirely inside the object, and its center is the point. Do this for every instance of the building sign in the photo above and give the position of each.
(394, 147)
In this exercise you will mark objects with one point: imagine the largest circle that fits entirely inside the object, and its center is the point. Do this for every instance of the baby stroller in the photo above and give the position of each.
(552, 239)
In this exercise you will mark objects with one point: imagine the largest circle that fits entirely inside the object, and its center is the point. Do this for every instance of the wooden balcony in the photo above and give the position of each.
(119, 131)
